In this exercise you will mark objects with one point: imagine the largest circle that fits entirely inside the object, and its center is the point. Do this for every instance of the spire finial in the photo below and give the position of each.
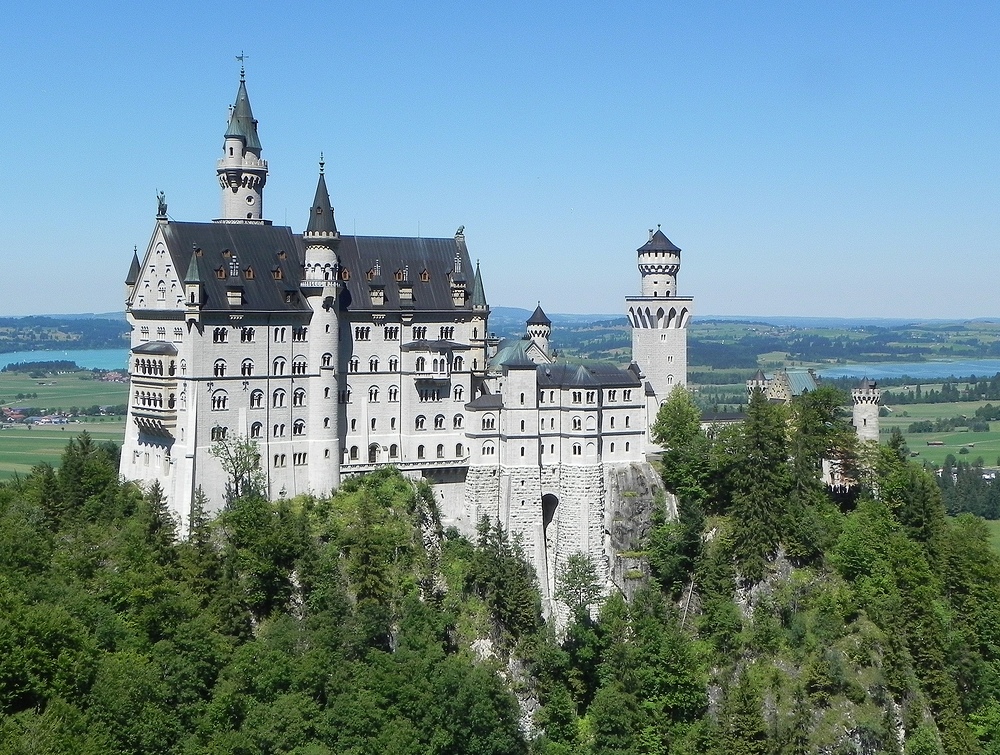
(243, 73)
(321, 163)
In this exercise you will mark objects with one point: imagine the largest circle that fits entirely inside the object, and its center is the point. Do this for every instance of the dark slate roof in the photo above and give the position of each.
(519, 360)
(572, 375)
(321, 213)
(658, 242)
(255, 246)
(486, 401)
(358, 255)
(866, 384)
(478, 298)
(241, 122)
(538, 317)
(133, 271)
(156, 347)
(759, 377)
(435, 346)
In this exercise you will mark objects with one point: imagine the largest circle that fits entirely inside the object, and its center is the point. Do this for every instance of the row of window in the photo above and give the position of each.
(161, 333)
(436, 365)
(299, 367)
(375, 452)
(392, 392)
(420, 422)
(249, 334)
(153, 367)
(489, 423)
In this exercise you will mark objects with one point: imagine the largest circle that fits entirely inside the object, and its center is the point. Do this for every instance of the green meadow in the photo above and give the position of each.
(22, 446)
(986, 445)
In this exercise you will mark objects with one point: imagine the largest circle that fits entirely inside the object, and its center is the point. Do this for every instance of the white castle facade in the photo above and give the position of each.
(340, 354)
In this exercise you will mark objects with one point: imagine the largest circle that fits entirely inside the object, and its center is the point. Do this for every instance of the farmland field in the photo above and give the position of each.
(21, 448)
(986, 445)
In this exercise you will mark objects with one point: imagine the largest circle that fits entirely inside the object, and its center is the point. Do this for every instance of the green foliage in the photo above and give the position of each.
(576, 584)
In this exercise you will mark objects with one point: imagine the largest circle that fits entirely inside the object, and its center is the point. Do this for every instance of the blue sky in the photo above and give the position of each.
(827, 159)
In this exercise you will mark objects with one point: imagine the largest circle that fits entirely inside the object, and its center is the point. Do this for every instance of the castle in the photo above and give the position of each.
(339, 354)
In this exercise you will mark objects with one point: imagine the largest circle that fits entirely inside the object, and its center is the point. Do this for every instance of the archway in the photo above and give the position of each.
(550, 504)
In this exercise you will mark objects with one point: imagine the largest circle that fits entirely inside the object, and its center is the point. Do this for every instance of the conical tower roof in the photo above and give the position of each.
(133, 270)
(241, 122)
(193, 276)
(538, 317)
(321, 219)
(478, 294)
(658, 242)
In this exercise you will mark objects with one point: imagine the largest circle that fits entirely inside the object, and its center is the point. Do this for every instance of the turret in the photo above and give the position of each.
(132, 278)
(659, 262)
(480, 321)
(866, 396)
(193, 294)
(539, 328)
(241, 171)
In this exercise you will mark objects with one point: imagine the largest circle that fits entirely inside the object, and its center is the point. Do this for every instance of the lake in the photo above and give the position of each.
(917, 370)
(88, 359)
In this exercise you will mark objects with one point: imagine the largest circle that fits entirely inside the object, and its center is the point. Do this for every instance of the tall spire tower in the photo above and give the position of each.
(242, 173)
(659, 319)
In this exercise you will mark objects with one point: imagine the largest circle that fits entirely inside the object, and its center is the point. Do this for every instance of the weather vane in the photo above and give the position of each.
(242, 57)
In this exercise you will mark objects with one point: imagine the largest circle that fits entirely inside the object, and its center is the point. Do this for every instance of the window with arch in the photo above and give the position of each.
(577, 449)
(362, 333)
(577, 423)
(184, 367)
(393, 451)
(440, 451)
(161, 291)
(373, 364)
(489, 422)
(326, 393)
(278, 366)
(298, 427)
(628, 421)
(279, 335)
(279, 460)
(420, 452)
(219, 433)
(420, 422)
(457, 422)
(439, 422)
(459, 393)
(256, 399)
(278, 431)
(326, 423)
(220, 368)
(626, 395)
(522, 399)
(522, 425)
(457, 364)
(393, 393)
(220, 401)
(354, 425)
(220, 335)
(421, 364)
(299, 366)
(255, 429)
(373, 394)
(246, 368)
(278, 398)
(328, 360)
(459, 450)
(612, 448)
(393, 364)
(373, 424)
(246, 335)
(392, 423)
(354, 453)
(352, 366)
(626, 445)
(299, 397)
(489, 449)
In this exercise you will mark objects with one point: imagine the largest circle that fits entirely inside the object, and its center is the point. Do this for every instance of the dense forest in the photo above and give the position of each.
(780, 617)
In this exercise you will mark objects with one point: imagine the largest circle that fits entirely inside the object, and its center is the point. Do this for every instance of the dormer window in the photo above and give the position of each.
(370, 275)
(220, 273)
(400, 276)
(248, 274)
(277, 274)
(425, 276)
(226, 254)
(345, 274)
(282, 255)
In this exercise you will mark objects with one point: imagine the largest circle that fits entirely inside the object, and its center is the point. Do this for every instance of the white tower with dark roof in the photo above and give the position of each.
(242, 173)
(866, 396)
(539, 329)
(659, 319)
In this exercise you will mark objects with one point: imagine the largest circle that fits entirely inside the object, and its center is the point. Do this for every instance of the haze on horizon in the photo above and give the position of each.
(810, 160)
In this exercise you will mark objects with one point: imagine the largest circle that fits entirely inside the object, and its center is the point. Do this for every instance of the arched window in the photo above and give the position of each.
(522, 399)
(255, 429)
(612, 448)
(489, 422)
(278, 367)
(246, 335)
(459, 392)
(246, 369)
(220, 368)
(219, 433)
(393, 451)
(299, 366)
(459, 451)
(278, 431)
(352, 366)
(373, 453)
(457, 422)
(393, 393)
(220, 335)
(220, 401)
(298, 427)
(421, 364)
(299, 397)
(372, 395)
(256, 399)
(612, 424)
(393, 364)
(420, 452)
(420, 422)
(278, 398)
(628, 421)
(326, 422)
(440, 451)
(373, 422)
(328, 360)
(373, 364)
(489, 449)
(354, 453)
(161, 290)
(439, 422)
(577, 449)
(577, 423)
(522, 425)
(457, 364)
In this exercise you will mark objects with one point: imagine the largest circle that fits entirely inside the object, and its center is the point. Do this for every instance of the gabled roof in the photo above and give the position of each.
(538, 317)
(272, 252)
(594, 375)
(486, 401)
(866, 384)
(658, 242)
(156, 347)
(394, 254)
(800, 381)
(241, 122)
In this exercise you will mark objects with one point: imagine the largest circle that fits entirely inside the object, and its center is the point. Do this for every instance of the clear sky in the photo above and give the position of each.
(834, 159)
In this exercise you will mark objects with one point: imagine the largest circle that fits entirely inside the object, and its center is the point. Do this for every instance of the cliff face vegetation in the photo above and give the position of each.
(779, 617)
